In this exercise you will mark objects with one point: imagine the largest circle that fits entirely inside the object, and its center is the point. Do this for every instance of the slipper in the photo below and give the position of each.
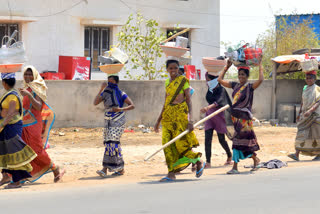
(228, 163)
(233, 172)
(166, 179)
(102, 174)
(5, 183)
(317, 158)
(200, 172)
(294, 157)
(59, 177)
(254, 169)
(11, 186)
(117, 174)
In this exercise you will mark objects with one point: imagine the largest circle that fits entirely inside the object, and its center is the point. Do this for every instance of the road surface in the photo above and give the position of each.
(287, 190)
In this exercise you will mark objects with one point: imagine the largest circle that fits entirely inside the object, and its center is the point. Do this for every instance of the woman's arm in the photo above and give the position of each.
(10, 114)
(189, 103)
(312, 109)
(98, 98)
(221, 80)
(36, 101)
(257, 83)
(205, 109)
(157, 126)
(130, 106)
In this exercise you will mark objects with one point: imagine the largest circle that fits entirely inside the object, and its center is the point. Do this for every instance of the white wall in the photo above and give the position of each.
(63, 34)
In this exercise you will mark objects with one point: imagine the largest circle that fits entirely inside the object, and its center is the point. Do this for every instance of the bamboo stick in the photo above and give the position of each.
(175, 35)
(187, 131)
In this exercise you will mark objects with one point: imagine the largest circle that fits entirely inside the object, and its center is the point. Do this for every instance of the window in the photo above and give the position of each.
(96, 42)
(7, 30)
(186, 35)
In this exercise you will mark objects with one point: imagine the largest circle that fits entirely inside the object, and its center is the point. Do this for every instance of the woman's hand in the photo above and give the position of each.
(103, 86)
(156, 127)
(229, 63)
(116, 109)
(307, 114)
(190, 126)
(24, 92)
(204, 110)
(260, 59)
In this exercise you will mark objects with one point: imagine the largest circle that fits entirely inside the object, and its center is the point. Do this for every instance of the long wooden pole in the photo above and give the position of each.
(187, 131)
(175, 35)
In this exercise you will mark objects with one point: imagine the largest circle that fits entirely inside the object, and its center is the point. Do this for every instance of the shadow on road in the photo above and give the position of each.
(241, 173)
(169, 182)
(162, 175)
(94, 178)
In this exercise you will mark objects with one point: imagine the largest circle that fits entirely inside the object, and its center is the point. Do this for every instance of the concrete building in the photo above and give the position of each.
(50, 28)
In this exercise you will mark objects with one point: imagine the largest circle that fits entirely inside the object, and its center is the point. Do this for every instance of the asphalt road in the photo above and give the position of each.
(287, 190)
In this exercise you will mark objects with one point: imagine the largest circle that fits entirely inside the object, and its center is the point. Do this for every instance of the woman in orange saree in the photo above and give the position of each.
(35, 133)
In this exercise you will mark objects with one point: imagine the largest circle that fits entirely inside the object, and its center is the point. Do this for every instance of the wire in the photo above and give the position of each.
(10, 11)
(62, 11)
(192, 12)
(130, 8)
(201, 43)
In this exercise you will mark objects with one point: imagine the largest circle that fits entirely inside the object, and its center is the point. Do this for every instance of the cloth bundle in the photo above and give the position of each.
(244, 55)
(114, 56)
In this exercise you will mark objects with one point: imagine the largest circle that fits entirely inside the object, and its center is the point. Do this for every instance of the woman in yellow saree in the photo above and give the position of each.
(308, 135)
(176, 117)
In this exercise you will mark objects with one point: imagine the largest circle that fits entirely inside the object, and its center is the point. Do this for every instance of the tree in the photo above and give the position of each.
(289, 36)
(140, 38)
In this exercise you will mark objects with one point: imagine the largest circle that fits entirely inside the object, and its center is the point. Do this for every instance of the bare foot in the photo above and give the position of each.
(208, 165)
(256, 161)
(5, 179)
(193, 168)
(58, 174)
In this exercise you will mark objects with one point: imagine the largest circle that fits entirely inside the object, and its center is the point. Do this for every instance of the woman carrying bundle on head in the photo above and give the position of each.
(308, 135)
(114, 100)
(15, 154)
(176, 117)
(244, 140)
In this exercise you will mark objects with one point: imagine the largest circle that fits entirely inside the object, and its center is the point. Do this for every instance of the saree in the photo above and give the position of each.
(308, 134)
(220, 98)
(15, 154)
(179, 155)
(244, 139)
(32, 134)
(114, 127)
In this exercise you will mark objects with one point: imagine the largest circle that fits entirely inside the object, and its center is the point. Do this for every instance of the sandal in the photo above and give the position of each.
(294, 157)
(228, 163)
(13, 186)
(233, 172)
(200, 172)
(117, 174)
(317, 158)
(166, 179)
(254, 169)
(102, 174)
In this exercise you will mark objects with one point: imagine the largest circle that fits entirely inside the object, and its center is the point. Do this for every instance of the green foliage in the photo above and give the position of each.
(289, 37)
(140, 38)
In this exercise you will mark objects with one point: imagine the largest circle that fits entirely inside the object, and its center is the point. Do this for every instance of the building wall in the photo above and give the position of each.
(72, 101)
(63, 34)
